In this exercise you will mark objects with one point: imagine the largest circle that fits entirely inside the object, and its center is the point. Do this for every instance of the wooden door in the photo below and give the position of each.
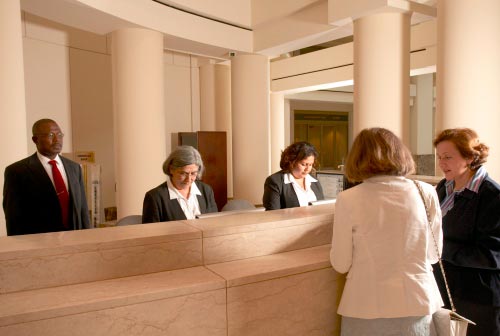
(212, 147)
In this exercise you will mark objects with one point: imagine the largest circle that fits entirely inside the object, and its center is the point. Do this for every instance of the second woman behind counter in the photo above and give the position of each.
(293, 186)
(179, 198)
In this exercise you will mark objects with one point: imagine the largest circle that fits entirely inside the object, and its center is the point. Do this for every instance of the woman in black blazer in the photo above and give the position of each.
(470, 203)
(293, 186)
(182, 196)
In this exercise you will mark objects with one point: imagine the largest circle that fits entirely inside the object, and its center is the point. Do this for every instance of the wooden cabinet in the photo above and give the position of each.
(213, 149)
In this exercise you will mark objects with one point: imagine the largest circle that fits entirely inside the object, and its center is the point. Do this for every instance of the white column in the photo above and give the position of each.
(277, 129)
(382, 72)
(139, 117)
(468, 71)
(251, 130)
(215, 97)
(207, 98)
(12, 95)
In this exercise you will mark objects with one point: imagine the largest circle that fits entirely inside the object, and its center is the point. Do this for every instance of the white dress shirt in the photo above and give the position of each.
(304, 196)
(48, 168)
(190, 205)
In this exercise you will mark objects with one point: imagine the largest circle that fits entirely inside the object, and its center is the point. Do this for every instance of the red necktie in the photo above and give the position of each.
(62, 192)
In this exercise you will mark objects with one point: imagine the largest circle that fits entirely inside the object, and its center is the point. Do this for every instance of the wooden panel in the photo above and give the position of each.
(188, 139)
(314, 138)
(300, 132)
(340, 145)
(327, 131)
(212, 147)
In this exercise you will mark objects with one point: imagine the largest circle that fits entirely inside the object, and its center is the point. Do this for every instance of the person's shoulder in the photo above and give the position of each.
(69, 162)
(158, 192)
(441, 184)
(359, 190)
(278, 176)
(490, 185)
(21, 163)
(159, 188)
(489, 194)
(427, 187)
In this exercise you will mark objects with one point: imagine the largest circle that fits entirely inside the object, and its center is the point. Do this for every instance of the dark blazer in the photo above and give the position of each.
(278, 195)
(471, 246)
(30, 201)
(158, 207)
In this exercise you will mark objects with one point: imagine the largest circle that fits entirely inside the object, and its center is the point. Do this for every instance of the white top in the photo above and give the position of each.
(381, 237)
(189, 206)
(304, 196)
(48, 168)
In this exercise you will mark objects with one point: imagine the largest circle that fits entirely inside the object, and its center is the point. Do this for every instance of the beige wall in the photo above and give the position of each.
(181, 90)
(92, 114)
(46, 67)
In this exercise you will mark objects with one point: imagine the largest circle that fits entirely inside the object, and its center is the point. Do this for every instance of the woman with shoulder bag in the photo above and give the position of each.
(382, 238)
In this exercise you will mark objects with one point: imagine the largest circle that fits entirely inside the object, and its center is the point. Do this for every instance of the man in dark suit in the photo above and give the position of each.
(44, 192)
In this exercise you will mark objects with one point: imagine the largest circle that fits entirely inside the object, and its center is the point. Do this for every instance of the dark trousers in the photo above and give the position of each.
(487, 317)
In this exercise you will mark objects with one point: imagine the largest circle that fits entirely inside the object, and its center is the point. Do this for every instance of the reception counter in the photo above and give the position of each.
(253, 273)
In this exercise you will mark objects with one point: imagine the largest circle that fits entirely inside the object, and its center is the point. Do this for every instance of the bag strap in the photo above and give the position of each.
(435, 245)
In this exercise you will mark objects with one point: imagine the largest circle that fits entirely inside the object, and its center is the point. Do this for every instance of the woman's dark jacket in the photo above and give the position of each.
(278, 195)
(158, 207)
(471, 247)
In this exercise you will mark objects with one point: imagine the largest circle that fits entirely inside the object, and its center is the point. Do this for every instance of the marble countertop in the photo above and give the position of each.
(261, 220)
(25, 306)
(54, 243)
(60, 274)
(241, 272)
(47, 303)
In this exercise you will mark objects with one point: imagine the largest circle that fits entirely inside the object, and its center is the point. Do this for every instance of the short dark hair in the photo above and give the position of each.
(38, 123)
(467, 143)
(183, 156)
(378, 151)
(296, 152)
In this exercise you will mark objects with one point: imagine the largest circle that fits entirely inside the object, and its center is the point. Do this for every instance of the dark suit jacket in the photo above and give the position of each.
(158, 207)
(30, 202)
(278, 195)
(471, 246)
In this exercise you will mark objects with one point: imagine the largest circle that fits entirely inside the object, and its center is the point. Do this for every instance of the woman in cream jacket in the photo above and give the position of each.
(381, 237)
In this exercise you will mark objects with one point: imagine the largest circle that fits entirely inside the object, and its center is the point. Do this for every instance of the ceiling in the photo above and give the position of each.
(271, 28)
